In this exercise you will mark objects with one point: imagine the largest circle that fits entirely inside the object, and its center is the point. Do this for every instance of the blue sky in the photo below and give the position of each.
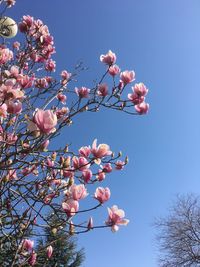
(160, 40)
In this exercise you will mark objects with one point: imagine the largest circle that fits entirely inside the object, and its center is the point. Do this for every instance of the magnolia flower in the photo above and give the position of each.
(49, 251)
(109, 58)
(142, 108)
(87, 175)
(78, 192)
(127, 76)
(114, 70)
(45, 120)
(70, 207)
(102, 194)
(115, 218)
(140, 89)
(85, 151)
(102, 90)
(82, 92)
(101, 151)
(27, 244)
(80, 163)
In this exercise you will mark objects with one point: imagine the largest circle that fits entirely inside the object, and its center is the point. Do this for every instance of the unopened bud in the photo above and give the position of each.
(126, 160)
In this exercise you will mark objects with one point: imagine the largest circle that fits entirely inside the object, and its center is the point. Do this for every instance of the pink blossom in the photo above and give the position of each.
(114, 70)
(119, 165)
(85, 151)
(101, 151)
(5, 55)
(135, 98)
(14, 107)
(87, 175)
(50, 65)
(41, 83)
(78, 192)
(45, 120)
(49, 197)
(65, 75)
(49, 251)
(70, 207)
(27, 244)
(10, 3)
(107, 168)
(80, 163)
(101, 175)
(127, 76)
(115, 218)
(102, 194)
(140, 89)
(109, 58)
(25, 81)
(14, 71)
(62, 98)
(142, 108)
(102, 90)
(32, 259)
(3, 110)
(82, 92)
(26, 23)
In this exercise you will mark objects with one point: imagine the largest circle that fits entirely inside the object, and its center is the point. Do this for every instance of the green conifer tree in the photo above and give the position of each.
(65, 253)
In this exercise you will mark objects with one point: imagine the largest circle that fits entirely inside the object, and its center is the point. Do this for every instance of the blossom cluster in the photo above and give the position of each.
(36, 174)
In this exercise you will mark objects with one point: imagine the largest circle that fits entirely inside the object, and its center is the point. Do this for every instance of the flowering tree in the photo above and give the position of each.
(37, 178)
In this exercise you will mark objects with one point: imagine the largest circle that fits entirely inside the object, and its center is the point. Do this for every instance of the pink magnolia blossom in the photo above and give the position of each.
(102, 90)
(87, 175)
(70, 207)
(33, 258)
(82, 92)
(119, 165)
(50, 65)
(101, 151)
(25, 81)
(114, 70)
(45, 120)
(115, 218)
(41, 83)
(127, 76)
(27, 244)
(5, 55)
(102, 194)
(107, 168)
(10, 3)
(142, 108)
(140, 89)
(65, 75)
(85, 151)
(78, 192)
(62, 98)
(49, 251)
(3, 110)
(101, 176)
(80, 163)
(109, 58)
(135, 98)
(26, 23)
(14, 107)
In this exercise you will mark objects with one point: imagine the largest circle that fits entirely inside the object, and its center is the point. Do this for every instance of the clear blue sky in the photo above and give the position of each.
(160, 40)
